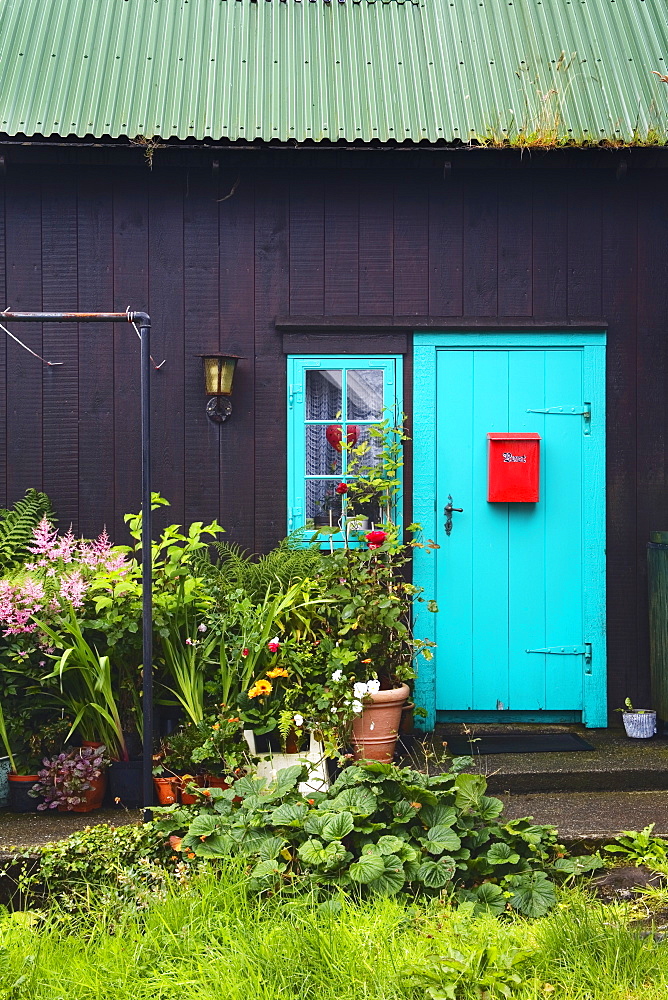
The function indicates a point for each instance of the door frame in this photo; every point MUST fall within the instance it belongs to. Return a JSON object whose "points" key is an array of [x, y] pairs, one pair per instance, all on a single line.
{"points": [[426, 345]]}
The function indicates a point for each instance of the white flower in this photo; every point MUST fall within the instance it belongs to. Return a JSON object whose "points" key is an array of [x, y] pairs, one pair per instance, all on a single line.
{"points": [[298, 719], [337, 675], [357, 707], [360, 689], [334, 711], [373, 687]]}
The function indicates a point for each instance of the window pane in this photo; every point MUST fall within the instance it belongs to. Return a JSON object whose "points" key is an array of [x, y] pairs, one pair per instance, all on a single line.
{"points": [[323, 449], [365, 394], [323, 395], [371, 456], [321, 497]]}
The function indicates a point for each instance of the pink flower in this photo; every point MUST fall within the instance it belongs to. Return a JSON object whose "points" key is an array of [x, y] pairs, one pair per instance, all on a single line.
{"points": [[73, 588], [201, 628], [245, 651], [375, 539], [274, 645], [189, 642]]}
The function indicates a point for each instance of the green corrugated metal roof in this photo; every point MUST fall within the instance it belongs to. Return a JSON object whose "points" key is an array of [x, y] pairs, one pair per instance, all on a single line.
{"points": [[403, 71]]}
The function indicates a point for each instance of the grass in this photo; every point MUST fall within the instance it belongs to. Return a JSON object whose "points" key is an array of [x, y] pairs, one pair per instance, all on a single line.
{"points": [[211, 939]]}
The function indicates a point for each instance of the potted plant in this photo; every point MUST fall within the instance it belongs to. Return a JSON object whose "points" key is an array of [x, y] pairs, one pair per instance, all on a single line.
{"points": [[72, 781], [372, 624], [639, 723]]}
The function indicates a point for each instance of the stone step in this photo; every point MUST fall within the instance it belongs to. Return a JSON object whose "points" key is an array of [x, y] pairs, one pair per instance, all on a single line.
{"points": [[617, 763], [590, 819]]}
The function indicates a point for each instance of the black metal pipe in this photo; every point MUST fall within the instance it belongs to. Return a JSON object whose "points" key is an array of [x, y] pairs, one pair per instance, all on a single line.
{"points": [[143, 320]]}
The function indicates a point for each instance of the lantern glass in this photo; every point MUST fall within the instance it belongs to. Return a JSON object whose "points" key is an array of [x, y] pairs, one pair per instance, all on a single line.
{"points": [[219, 374]]}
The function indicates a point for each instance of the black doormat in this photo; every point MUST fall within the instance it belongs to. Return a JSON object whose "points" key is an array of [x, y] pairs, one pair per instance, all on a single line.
{"points": [[473, 746]]}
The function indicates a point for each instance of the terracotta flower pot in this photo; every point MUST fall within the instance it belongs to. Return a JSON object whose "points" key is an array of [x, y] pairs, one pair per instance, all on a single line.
{"points": [[94, 797], [215, 782], [375, 731], [186, 798], [165, 790]]}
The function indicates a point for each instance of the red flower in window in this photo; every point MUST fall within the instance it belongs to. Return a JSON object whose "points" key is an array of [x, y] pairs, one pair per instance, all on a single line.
{"points": [[341, 489]]}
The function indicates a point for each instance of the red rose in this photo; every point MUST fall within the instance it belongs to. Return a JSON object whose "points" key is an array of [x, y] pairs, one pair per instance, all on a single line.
{"points": [[375, 539], [341, 489]]}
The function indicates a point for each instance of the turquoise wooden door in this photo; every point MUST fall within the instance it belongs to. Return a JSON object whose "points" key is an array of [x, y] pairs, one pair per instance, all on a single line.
{"points": [[520, 586]]}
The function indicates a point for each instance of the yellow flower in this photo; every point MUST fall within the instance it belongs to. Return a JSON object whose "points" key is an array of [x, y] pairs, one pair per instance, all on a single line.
{"points": [[277, 672], [260, 689]]}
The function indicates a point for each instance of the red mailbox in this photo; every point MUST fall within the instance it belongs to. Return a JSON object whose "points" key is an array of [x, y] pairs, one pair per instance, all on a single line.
{"points": [[514, 467]]}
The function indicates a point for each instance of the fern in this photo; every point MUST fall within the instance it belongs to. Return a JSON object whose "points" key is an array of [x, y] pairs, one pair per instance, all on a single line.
{"points": [[272, 573], [18, 524]]}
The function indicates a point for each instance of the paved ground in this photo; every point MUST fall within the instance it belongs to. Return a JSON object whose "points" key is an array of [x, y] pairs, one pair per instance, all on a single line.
{"points": [[589, 816], [25, 830]]}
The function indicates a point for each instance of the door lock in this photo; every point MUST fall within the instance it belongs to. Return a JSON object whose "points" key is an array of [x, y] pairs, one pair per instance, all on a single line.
{"points": [[448, 510]]}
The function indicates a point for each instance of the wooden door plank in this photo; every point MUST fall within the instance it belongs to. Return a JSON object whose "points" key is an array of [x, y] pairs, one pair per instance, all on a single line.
{"points": [[527, 568]]}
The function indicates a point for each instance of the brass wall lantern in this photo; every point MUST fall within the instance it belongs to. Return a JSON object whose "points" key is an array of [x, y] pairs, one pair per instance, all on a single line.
{"points": [[218, 379]]}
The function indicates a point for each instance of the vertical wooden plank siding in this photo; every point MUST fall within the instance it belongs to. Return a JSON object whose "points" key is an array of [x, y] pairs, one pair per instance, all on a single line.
{"points": [[24, 372], [446, 245], [3, 355], [237, 317], [202, 334], [411, 248], [556, 245], [130, 289], [341, 239], [376, 246], [166, 308], [272, 262], [95, 267], [550, 242], [514, 247], [619, 268], [480, 245], [60, 405], [307, 246], [652, 396]]}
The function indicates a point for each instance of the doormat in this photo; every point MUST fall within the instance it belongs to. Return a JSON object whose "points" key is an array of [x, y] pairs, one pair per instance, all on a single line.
{"points": [[474, 746]]}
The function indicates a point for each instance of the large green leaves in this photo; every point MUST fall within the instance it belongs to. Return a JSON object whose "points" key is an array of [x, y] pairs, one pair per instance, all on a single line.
{"points": [[337, 826], [440, 839], [436, 874], [358, 801], [368, 868], [501, 854], [532, 894], [318, 855], [289, 814]]}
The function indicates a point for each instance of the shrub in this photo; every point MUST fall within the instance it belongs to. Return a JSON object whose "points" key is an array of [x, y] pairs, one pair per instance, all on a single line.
{"points": [[378, 829]]}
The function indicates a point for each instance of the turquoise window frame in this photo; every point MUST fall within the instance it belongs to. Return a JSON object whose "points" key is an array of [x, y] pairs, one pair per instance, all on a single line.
{"points": [[298, 366]]}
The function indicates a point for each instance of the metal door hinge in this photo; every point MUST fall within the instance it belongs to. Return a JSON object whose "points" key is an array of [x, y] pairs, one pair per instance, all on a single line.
{"points": [[295, 395], [296, 518], [564, 650], [570, 411]]}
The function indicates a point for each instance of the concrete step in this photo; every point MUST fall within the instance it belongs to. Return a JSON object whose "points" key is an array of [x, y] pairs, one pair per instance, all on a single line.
{"points": [[590, 819], [617, 763]]}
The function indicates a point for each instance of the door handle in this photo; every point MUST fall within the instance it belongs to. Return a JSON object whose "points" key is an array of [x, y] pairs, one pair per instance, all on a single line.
{"points": [[448, 510]]}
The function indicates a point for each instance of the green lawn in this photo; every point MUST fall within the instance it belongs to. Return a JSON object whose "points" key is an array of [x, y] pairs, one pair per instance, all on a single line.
{"points": [[210, 939]]}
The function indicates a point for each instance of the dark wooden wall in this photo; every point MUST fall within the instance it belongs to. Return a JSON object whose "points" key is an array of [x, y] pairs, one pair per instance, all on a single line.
{"points": [[214, 272]]}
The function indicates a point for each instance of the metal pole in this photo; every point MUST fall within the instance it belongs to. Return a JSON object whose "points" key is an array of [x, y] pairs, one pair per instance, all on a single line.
{"points": [[146, 565], [143, 320]]}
